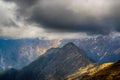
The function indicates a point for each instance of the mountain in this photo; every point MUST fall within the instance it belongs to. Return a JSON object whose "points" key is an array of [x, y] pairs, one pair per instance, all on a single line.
{"points": [[101, 49], [107, 71], [55, 64], [17, 53]]}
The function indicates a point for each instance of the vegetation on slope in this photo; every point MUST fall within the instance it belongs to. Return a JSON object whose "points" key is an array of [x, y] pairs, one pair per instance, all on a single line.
{"points": [[88, 71], [107, 71]]}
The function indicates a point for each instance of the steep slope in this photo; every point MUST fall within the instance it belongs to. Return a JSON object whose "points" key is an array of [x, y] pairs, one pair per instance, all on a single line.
{"points": [[56, 64], [107, 71]]}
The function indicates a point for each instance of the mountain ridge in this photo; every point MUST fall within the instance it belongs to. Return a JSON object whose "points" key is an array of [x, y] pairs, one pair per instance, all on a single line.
{"points": [[55, 65], [60, 62]]}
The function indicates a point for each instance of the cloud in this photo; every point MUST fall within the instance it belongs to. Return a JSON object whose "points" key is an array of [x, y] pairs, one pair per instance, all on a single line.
{"points": [[13, 25], [91, 16], [7, 14], [63, 17], [36, 32], [24, 2]]}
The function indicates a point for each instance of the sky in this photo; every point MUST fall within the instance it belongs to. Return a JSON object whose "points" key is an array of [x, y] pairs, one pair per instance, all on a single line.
{"points": [[53, 19]]}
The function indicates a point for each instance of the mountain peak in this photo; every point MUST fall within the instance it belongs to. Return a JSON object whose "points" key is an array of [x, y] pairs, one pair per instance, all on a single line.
{"points": [[69, 45]]}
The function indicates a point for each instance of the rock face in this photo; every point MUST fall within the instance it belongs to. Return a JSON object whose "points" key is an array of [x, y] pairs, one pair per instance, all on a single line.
{"points": [[56, 64]]}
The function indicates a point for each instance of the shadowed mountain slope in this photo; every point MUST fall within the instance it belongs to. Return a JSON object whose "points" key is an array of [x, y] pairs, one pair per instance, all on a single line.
{"points": [[56, 64]]}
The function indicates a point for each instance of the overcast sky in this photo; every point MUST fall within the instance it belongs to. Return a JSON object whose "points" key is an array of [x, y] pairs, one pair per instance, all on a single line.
{"points": [[55, 19]]}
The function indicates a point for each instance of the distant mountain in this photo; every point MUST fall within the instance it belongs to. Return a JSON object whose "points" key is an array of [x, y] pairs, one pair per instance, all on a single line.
{"points": [[17, 53], [102, 49], [56, 64], [107, 71]]}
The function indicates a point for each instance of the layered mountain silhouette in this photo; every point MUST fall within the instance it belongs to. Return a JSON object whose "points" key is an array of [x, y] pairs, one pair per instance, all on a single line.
{"points": [[55, 64]]}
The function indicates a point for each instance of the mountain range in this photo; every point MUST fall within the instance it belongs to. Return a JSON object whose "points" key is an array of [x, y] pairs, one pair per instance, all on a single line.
{"points": [[55, 64], [17, 53], [64, 63]]}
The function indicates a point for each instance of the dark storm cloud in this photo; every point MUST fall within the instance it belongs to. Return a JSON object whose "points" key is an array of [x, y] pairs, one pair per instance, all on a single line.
{"points": [[24, 2], [65, 16], [67, 21], [115, 15]]}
